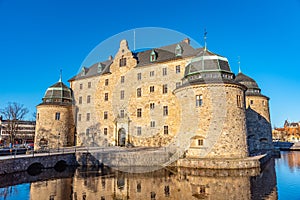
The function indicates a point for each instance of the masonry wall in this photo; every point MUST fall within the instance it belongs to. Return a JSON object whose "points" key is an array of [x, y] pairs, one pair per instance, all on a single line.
{"points": [[219, 122], [56, 133]]}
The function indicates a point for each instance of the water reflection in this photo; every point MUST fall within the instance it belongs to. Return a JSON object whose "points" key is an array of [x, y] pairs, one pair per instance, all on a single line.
{"points": [[171, 183]]}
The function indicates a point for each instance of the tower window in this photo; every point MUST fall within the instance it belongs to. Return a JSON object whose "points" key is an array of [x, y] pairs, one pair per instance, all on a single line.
{"points": [[57, 116], [80, 100], [166, 130], [80, 86], [106, 97], [177, 69], [105, 131], [89, 84], [122, 62], [151, 88], [88, 116], [88, 99], [199, 100], [139, 76], [264, 103], [165, 88], [138, 187], [139, 92], [122, 79], [152, 105], [105, 115], [167, 191], [200, 142], [38, 116], [122, 94], [139, 112], [165, 110], [164, 71], [239, 101], [251, 102], [106, 82]]}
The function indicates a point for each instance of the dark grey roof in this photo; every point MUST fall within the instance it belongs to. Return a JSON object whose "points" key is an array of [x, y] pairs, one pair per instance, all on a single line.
{"points": [[207, 61], [57, 94], [250, 83], [95, 69], [165, 53]]}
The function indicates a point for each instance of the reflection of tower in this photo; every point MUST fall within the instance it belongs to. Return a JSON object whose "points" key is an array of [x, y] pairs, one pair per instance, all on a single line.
{"points": [[54, 122], [258, 116]]}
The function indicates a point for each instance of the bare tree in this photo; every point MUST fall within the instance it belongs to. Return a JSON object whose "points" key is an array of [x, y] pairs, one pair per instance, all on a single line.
{"points": [[13, 113]]}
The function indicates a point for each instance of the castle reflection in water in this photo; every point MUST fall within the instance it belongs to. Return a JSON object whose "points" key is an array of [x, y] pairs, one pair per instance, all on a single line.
{"points": [[176, 183]]}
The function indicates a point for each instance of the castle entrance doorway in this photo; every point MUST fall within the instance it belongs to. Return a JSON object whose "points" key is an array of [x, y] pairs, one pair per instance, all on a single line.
{"points": [[121, 137]]}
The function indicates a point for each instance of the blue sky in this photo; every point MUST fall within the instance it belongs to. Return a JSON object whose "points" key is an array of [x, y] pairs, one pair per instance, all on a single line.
{"points": [[38, 38]]}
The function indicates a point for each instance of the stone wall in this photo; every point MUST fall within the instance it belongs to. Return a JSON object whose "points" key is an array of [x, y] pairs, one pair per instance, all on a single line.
{"points": [[55, 133]]}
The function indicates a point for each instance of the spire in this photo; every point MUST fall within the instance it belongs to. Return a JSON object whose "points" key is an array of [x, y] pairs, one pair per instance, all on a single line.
{"points": [[60, 76], [205, 45], [239, 63], [134, 40]]}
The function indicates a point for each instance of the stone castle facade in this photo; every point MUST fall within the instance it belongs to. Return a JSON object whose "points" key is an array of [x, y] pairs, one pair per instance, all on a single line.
{"points": [[175, 96]]}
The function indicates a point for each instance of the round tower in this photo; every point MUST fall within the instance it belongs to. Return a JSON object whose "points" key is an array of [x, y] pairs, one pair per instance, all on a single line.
{"points": [[259, 131], [55, 125], [213, 109], [254, 99]]}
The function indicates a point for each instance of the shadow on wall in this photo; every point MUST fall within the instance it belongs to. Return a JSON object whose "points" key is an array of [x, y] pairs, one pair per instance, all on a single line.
{"points": [[93, 137], [259, 133]]}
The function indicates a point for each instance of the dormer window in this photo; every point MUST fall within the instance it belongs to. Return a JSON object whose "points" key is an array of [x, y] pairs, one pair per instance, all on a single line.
{"points": [[153, 56], [83, 71], [178, 50], [99, 69]]}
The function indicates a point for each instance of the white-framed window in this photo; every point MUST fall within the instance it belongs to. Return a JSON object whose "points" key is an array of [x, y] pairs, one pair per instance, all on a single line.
{"points": [[199, 100], [139, 112], [152, 88], [177, 68], [139, 130], [152, 106], [57, 116], [152, 124], [166, 130]]}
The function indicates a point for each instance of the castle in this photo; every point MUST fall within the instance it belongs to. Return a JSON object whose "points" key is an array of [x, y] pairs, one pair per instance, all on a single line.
{"points": [[176, 95]]}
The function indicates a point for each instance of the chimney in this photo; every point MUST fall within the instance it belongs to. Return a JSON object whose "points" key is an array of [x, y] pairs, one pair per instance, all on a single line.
{"points": [[187, 40], [110, 57]]}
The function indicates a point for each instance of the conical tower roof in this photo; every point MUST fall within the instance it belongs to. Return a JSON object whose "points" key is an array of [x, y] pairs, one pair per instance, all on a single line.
{"points": [[58, 93]]}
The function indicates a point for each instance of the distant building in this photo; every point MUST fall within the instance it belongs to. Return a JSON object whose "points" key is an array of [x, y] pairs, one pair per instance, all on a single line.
{"points": [[175, 95], [289, 133], [25, 131]]}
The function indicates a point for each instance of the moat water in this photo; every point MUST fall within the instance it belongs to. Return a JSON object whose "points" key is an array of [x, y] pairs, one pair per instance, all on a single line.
{"points": [[279, 179]]}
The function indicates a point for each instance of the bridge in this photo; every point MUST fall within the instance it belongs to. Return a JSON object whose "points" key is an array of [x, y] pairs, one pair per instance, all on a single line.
{"points": [[73, 156]]}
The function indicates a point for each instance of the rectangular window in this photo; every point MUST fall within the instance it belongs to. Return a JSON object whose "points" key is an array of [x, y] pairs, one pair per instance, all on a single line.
{"points": [[200, 142], [122, 94], [79, 117], [57, 116], [139, 112], [80, 100], [122, 113], [178, 84], [122, 79], [122, 62], [106, 97], [89, 84], [199, 100], [106, 82], [166, 130], [139, 92], [88, 116], [152, 124], [105, 131], [87, 131], [239, 101], [80, 86], [177, 69], [151, 73], [139, 76], [165, 88], [164, 71], [152, 105], [88, 99], [139, 130], [264, 103], [251, 102], [105, 115], [165, 110], [151, 88]]}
